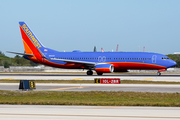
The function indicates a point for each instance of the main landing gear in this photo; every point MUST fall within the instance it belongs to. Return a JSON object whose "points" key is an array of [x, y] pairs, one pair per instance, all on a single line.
{"points": [[99, 73], [158, 73], [89, 72]]}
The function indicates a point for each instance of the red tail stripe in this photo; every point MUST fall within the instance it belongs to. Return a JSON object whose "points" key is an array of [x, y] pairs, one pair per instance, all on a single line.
{"points": [[31, 45]]}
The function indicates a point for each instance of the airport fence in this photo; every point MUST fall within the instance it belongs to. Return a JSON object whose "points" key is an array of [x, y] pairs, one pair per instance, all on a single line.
{"points": [[1, 68]]}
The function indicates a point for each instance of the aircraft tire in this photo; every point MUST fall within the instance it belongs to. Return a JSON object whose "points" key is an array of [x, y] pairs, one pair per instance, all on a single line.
{"points": [[89, 72], [100, 73], [158, 73]]}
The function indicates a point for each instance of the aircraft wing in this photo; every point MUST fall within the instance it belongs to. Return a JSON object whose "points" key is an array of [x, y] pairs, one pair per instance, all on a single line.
{"points": [[31, 55], [90, 64]]}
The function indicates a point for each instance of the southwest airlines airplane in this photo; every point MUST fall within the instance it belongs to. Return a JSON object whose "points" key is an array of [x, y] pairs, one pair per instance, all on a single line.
{"points": [[101, 62]]}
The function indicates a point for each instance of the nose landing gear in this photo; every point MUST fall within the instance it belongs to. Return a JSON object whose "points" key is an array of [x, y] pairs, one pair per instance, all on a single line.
{"points": [[158, 73]]}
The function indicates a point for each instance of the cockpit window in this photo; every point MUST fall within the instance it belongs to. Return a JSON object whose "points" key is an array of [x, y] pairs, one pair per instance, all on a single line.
{"points": [[164, 58]]}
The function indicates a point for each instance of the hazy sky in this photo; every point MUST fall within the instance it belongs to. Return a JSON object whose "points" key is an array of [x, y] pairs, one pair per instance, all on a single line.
{"points": [[82, 24]]}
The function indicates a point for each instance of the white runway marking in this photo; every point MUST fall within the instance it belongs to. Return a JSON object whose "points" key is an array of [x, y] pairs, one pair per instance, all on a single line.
{"points": [[43, 112]]}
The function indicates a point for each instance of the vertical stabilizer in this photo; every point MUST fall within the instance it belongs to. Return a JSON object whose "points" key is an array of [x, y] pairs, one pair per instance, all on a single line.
{"points": [[31, 44]]}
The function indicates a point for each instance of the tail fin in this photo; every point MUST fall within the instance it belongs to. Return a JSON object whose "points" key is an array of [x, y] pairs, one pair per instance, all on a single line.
{"points": [[31, 44], [29, 39]]}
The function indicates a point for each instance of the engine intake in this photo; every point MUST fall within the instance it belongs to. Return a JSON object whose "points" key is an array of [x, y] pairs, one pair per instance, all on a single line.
{"points": [[104, 68]]}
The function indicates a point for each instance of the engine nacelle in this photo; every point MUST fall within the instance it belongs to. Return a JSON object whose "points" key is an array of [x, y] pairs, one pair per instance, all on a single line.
{"points": [[104, 68]]}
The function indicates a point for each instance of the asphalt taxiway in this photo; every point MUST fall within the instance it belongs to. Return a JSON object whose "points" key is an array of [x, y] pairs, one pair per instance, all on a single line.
{"points": [[93, 87], [46, 112], [52, 76], [97, 87], [41, 112]]}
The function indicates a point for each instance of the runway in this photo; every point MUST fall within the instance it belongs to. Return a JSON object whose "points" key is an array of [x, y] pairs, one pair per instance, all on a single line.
{"points": [[46, 112], [43, 112], [97, 87], [92, 87], [51, 76]]}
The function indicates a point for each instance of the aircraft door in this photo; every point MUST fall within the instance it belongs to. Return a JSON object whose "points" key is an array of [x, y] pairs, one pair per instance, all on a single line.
{"points": [[154, 58]]}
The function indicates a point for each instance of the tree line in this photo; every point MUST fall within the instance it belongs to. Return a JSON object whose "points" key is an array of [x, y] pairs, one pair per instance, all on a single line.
{"points": [[175, 57], [16, 61]]}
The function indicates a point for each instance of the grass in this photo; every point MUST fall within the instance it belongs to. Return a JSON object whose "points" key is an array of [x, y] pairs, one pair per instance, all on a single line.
{"points": [[92, 81], [92, 98], [97, 98]]}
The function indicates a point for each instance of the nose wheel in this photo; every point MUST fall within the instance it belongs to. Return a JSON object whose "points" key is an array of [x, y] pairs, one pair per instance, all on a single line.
{"points": [[158, 73], [89, 72]]}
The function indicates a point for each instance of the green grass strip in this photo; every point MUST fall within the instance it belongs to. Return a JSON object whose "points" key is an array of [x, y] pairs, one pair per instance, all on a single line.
{"points": [[92, 98]]}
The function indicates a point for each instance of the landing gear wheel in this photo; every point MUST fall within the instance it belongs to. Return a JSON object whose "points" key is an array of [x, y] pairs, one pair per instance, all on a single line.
{"points": [[158, 73], [99, 73], [89, 72]]}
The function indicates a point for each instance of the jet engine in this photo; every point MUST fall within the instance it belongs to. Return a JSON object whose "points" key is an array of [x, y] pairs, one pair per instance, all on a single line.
{"points": [[104, 68]]}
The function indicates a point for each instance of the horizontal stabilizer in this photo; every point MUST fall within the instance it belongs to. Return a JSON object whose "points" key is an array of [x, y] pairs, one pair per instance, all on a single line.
{"points": [[31, 55]]}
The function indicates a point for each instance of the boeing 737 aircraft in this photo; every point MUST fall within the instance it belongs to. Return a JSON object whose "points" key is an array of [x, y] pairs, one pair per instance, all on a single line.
{"points": [[101, 62]]}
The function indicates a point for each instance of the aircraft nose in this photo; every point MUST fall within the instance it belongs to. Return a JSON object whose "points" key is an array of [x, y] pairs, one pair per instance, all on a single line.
{"points": [[172, 63]]}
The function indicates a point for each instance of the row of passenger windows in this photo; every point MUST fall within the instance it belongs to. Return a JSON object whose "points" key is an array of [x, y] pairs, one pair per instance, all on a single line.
{"points": [[81, 58], [107, 58], [132, 58]]}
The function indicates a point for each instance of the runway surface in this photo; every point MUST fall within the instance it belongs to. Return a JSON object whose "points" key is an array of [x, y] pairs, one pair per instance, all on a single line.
{"points": [[46, 112], [97, 87], [93, 87], [50, 76], [41, 112]]}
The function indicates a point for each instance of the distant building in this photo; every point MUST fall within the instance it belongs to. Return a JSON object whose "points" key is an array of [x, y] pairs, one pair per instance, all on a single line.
{"points": [[95, 49], [176, 52]]}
